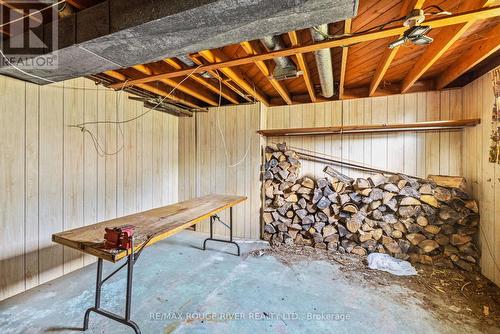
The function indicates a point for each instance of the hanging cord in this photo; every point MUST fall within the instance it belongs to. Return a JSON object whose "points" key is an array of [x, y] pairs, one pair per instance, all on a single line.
{"points": [[34, 75], [222, 135], [440, 11], [45, 79], [31, 14], [95, 139], [379, 27]]}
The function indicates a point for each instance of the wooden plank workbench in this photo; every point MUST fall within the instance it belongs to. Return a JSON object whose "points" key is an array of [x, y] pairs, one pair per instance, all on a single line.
{"points": [[150, 226], [161, 222]]}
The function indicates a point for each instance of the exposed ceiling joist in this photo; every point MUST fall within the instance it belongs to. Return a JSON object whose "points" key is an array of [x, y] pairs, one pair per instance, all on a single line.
{"points": [[81, 4], [360, 92], [480, 14], [294, 39], [250, 50], [343, 61], [389, 54], [228, 95], [185, 87], [216, 56], [443, 41], [216, 75], [477, 53], [155, 90]]}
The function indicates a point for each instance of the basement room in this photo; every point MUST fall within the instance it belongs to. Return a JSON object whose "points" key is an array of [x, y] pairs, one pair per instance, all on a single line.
{"points": [[250, 166]]}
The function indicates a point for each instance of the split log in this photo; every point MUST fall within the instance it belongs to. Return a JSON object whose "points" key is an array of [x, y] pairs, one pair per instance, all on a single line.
{"points": [[449, 181], [429, 221]]}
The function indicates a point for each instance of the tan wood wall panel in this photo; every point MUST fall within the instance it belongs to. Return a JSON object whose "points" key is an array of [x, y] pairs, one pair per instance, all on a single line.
{"points": [[53, 179], [31, 177], [50, 191], [202, 157], [73, 106], [12, 185], [483, 177], [202, 154], [204, 168], [414, 153]]}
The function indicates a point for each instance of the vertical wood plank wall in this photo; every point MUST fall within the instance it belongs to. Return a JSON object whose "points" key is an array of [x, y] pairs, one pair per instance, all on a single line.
{"points": [[205, 169], [202, 164], [483, 177], [51, 177], [413, 153]]}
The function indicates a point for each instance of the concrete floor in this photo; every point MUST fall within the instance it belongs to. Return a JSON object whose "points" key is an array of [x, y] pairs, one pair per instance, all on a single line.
{"points": [[175, 282]]}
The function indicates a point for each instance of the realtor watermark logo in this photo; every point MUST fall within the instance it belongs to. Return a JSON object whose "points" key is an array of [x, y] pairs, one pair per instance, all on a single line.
{"points": [[30, 33]]}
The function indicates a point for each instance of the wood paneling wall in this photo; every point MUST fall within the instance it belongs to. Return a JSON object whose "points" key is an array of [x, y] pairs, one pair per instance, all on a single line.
{"points": [[483, 177], [412, 153], [203, 166], [52, 179], [205, 169]]}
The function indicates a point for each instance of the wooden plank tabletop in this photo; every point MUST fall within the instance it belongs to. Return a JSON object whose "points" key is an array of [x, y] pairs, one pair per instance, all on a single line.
{"points": [[161, 222]]}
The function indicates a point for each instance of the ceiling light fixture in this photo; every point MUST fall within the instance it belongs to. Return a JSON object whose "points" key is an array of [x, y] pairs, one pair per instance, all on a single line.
{"points": [[416, 34]]}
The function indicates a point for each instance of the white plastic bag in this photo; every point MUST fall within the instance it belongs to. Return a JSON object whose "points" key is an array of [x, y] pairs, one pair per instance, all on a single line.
{"points": [[390, 264]]}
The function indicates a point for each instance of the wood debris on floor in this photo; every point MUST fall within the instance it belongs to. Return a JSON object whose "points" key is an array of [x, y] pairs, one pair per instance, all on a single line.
{"points": [[452, 295]]}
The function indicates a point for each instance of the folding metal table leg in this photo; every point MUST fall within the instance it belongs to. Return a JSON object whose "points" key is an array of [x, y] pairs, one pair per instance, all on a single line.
{"points": [[128, 299], [230, 227]]}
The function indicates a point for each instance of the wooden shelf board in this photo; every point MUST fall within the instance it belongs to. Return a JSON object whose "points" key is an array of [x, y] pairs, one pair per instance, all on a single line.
{"points": [[350, 129]]}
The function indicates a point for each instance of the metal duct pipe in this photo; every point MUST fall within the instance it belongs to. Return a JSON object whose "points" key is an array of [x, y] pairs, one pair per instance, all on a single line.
{"points": [[285, 68], [324, 61]]}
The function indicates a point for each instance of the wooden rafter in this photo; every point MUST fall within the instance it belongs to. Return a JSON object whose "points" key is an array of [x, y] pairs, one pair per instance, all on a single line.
{"points": [[294, 39], [484, 13], [185, 87], [250, 50], [217, 76], [477, 53], [228, 95], [150, 88], [343, 62], [389, 54], [443, 41], [216, 56], [361, 92], [81, 4]]}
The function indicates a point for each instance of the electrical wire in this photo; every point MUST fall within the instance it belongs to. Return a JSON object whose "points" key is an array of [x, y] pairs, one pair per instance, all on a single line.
{"points": [[95, 139], [34, 75], [55, 84], [24, 72], [224, 144], [380, 26], [100, 150], [440, 11], [31, 14]]}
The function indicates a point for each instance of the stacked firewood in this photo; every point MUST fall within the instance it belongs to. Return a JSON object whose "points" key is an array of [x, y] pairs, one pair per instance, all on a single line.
{"points": [[430, 221]]}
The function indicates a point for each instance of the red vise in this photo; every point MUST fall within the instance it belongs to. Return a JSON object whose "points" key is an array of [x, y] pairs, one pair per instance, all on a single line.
{"points": [[119, 237]]}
